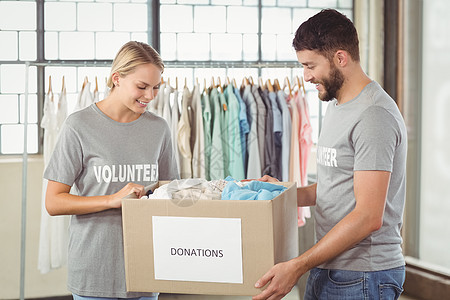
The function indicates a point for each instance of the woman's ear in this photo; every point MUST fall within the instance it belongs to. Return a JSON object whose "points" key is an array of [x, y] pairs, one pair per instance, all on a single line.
{"points": [[115, 78]]}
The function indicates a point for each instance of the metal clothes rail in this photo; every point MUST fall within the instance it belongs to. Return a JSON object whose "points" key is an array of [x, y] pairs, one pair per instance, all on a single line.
{"points": [[168, 64], [231, 64]]}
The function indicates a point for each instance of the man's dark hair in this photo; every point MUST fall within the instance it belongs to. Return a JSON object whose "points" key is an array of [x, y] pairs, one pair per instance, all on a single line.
{"points": [[327, 32]]}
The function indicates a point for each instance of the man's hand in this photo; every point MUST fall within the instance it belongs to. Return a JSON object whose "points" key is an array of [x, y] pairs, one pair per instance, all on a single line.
{"points": [[265, 178], [281, 278]]}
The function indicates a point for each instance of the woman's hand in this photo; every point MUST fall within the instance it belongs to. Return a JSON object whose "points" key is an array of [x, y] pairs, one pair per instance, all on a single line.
{"points": [[59, 201], [130, 189]]}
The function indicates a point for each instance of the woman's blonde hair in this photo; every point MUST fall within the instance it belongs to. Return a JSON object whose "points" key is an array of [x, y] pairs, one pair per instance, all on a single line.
{"points": [[132, 55]]}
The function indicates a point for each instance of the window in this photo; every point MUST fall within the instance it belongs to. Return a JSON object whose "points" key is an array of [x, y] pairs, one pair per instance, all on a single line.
{"points": [[18, 40], [236, 35], [76, 35], [200, 39], [435, 144], [86, 31]]}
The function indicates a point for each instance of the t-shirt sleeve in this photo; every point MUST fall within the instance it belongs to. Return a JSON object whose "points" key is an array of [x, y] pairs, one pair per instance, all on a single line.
{"points": [[375, 138], [167, 164], [65, 163]]}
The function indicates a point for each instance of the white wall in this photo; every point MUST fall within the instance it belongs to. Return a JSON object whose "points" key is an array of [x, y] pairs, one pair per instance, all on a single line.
{"points": [[36, 284], [435, 175]]}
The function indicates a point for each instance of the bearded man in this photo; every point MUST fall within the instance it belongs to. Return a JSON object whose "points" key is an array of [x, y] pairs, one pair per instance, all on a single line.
{"points": [[361, 165]]}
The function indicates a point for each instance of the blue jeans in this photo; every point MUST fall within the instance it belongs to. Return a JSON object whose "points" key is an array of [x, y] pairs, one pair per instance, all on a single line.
{"points": [[76, 297], [349, 285]]}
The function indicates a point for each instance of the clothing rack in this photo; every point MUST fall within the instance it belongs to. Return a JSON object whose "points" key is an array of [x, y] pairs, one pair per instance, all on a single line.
{"points": [[107, 63]]}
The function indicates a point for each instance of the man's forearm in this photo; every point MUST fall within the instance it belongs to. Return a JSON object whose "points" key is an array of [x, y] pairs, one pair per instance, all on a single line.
{"points": [[306, 196]]}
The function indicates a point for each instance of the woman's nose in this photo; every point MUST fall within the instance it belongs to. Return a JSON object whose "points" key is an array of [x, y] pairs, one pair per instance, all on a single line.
{"points": [[150, 94]]}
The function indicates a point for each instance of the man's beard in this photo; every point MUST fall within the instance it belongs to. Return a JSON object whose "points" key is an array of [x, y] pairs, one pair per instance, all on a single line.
{"points": [[332, 84]]}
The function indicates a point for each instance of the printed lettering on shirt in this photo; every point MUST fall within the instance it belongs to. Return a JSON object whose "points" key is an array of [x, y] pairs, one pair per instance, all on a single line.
{"points": [[326, 156], [126, 173]]}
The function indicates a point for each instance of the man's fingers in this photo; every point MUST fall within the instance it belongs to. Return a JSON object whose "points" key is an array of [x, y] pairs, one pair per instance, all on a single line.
{"points": [[264, 295], [267, 178], [264, 280]]}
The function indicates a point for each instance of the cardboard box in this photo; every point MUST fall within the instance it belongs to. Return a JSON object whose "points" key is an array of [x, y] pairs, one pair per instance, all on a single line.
{"points": [[217, 247]]}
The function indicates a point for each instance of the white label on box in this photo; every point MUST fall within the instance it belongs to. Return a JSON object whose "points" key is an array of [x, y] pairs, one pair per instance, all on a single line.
{"points": [[197, 249]]}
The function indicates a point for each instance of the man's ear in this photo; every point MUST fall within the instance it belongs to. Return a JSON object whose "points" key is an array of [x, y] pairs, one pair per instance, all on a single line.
{"points": [[341, 58]]}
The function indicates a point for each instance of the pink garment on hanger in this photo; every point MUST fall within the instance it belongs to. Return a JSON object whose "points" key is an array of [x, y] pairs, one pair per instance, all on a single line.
{"points": [[305, 139], [294, 160], [300, 147], [304, 136]]}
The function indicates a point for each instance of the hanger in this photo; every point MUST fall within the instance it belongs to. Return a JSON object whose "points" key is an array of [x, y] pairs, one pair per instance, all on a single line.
{"points": [[276, 84], [162, 80], [269, 85], [185, 82], [96, 85], [204, 84], [63, 88], [251, 80], [213, 85], [219, 85], [303, 85], [245, 82], [49, 85], [84, 82], [288, 84], [234, 83], [176, 83], [261, 84]]}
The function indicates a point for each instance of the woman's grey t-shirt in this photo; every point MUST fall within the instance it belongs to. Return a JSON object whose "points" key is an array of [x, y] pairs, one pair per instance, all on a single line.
{"points": [[100, 156], [366, 133]]}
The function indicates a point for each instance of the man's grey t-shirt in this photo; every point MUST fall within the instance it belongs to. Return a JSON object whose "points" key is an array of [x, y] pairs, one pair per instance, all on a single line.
{"points": [[100, 156], [366, 133]]}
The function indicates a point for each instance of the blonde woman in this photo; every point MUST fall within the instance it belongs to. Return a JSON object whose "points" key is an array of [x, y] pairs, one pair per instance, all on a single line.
{"points": [[109, 150]]}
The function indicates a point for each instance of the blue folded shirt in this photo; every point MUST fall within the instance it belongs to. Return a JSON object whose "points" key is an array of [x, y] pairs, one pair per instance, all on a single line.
{"points": [[254, 190]]}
